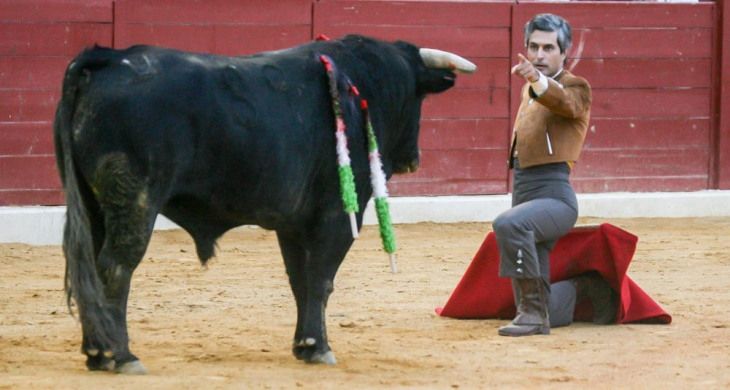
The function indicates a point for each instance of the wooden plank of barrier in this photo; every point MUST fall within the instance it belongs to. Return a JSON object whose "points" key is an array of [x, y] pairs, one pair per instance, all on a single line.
{"points": [[454, 172], [651, 103], [53, 196], [681, 169], [469, 42], [464, 164], [54, 39], [646, 134], [218, 39], [623, 14], [29, 172], [477, 133], [24, 11], [639, 184], [28, 105], [446, 187], [214, 12], [607, 43], [26, 138], [219, 26], [676, 162], [400, 13], [467, 103], [632, 73], [32, 72]]}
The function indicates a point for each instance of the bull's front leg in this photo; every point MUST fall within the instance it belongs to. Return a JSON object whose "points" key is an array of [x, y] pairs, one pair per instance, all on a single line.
{"points": [[311, 265], [295, 259]]}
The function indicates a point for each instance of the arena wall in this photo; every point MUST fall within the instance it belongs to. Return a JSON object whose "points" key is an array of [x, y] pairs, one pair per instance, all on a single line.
{"points": [[37, 40], [660, 73]]}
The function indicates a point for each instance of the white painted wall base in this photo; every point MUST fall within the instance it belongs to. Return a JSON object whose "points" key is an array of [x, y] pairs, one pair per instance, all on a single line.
{"points": [[44, 225]]}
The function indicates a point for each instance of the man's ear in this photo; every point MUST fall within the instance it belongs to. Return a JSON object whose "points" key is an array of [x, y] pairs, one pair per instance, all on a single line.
{"points": [[435, 80]]}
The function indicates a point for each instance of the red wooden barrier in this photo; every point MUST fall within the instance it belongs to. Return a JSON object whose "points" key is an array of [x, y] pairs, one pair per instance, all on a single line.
{"points": [[229, 27], [660, 72], [37, 40], [650, 67], [464, 132]]}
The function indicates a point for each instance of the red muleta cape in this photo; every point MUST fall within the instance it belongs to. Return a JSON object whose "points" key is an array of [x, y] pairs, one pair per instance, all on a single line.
{"points": [[607, 249]]}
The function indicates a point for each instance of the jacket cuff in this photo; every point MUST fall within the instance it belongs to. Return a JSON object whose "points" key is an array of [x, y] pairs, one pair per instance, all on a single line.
{"points": [[537, 88], [552, 96]]}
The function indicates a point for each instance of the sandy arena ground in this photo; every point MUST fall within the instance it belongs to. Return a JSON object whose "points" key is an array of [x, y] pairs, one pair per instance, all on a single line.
{"points": [[231, 326]]}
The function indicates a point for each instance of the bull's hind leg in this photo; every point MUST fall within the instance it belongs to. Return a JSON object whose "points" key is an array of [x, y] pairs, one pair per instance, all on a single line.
{"points": [[311, 264], [128, 222]]}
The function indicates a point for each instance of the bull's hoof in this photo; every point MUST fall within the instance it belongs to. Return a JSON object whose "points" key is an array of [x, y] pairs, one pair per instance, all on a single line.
{"points": [[98, 360], [306, 349], [323, 358], [99, 363], [134, 367]]}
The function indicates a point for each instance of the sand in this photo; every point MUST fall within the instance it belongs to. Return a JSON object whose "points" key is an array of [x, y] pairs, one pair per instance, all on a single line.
{"points": [[231, 326]]}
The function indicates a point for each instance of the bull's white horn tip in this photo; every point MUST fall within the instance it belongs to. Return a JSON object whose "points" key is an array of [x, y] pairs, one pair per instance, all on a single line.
{"points": [[468, 67], [442, 59]]}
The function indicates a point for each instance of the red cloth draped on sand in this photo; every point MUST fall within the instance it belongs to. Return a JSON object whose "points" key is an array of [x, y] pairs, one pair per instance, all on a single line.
{"points": [[481, 293]]}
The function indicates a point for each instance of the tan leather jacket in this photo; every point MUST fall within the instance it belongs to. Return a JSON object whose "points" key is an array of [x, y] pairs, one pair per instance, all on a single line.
{"points": [[552, 127]]}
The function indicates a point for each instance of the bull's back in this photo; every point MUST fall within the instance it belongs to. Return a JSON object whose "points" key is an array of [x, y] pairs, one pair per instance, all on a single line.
{"points": [[265, 134], [243, 136]]}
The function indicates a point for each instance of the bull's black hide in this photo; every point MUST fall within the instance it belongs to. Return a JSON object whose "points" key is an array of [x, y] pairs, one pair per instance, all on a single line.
{"points": [[217, 142]]}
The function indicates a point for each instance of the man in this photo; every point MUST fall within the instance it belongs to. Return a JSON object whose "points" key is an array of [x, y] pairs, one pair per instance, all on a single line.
{"points": [[546, 142]]}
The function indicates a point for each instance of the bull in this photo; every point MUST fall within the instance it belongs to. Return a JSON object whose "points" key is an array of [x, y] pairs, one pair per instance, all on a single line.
{"points": [[215, 142]]}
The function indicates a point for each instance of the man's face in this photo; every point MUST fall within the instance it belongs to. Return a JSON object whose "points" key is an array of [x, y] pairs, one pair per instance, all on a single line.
{"points": [[544, 53]]}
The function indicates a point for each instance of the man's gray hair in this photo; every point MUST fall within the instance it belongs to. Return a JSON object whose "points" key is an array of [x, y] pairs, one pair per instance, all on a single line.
{"points": [[550, 23]]}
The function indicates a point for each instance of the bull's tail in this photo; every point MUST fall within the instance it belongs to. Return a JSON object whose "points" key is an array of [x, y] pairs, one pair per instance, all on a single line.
{"points": [[81, 280]]}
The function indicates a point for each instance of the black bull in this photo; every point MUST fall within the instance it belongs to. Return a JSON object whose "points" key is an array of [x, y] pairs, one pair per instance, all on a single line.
{"points": [[217, 142]]}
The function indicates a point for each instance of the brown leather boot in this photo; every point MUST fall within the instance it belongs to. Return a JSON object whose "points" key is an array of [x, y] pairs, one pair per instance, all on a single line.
{"points": [[532, 309], [604, 300]]}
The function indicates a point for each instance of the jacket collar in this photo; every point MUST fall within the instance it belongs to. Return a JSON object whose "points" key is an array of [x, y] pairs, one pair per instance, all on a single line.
{"points": [[559, 75]]}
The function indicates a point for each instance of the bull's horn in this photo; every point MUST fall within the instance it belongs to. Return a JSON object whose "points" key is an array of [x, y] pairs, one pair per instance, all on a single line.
{"points": [[444, 60]]}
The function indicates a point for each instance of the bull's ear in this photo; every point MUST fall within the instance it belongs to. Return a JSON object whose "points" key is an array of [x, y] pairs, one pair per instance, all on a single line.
{"points": [[435, 80]]}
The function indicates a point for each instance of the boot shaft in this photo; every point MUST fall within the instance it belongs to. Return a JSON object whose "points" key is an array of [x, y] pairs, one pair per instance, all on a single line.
{"points": [[531, 300]]}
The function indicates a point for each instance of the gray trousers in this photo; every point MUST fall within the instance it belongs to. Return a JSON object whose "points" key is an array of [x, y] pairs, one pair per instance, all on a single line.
{"points": [[544, 209]]}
